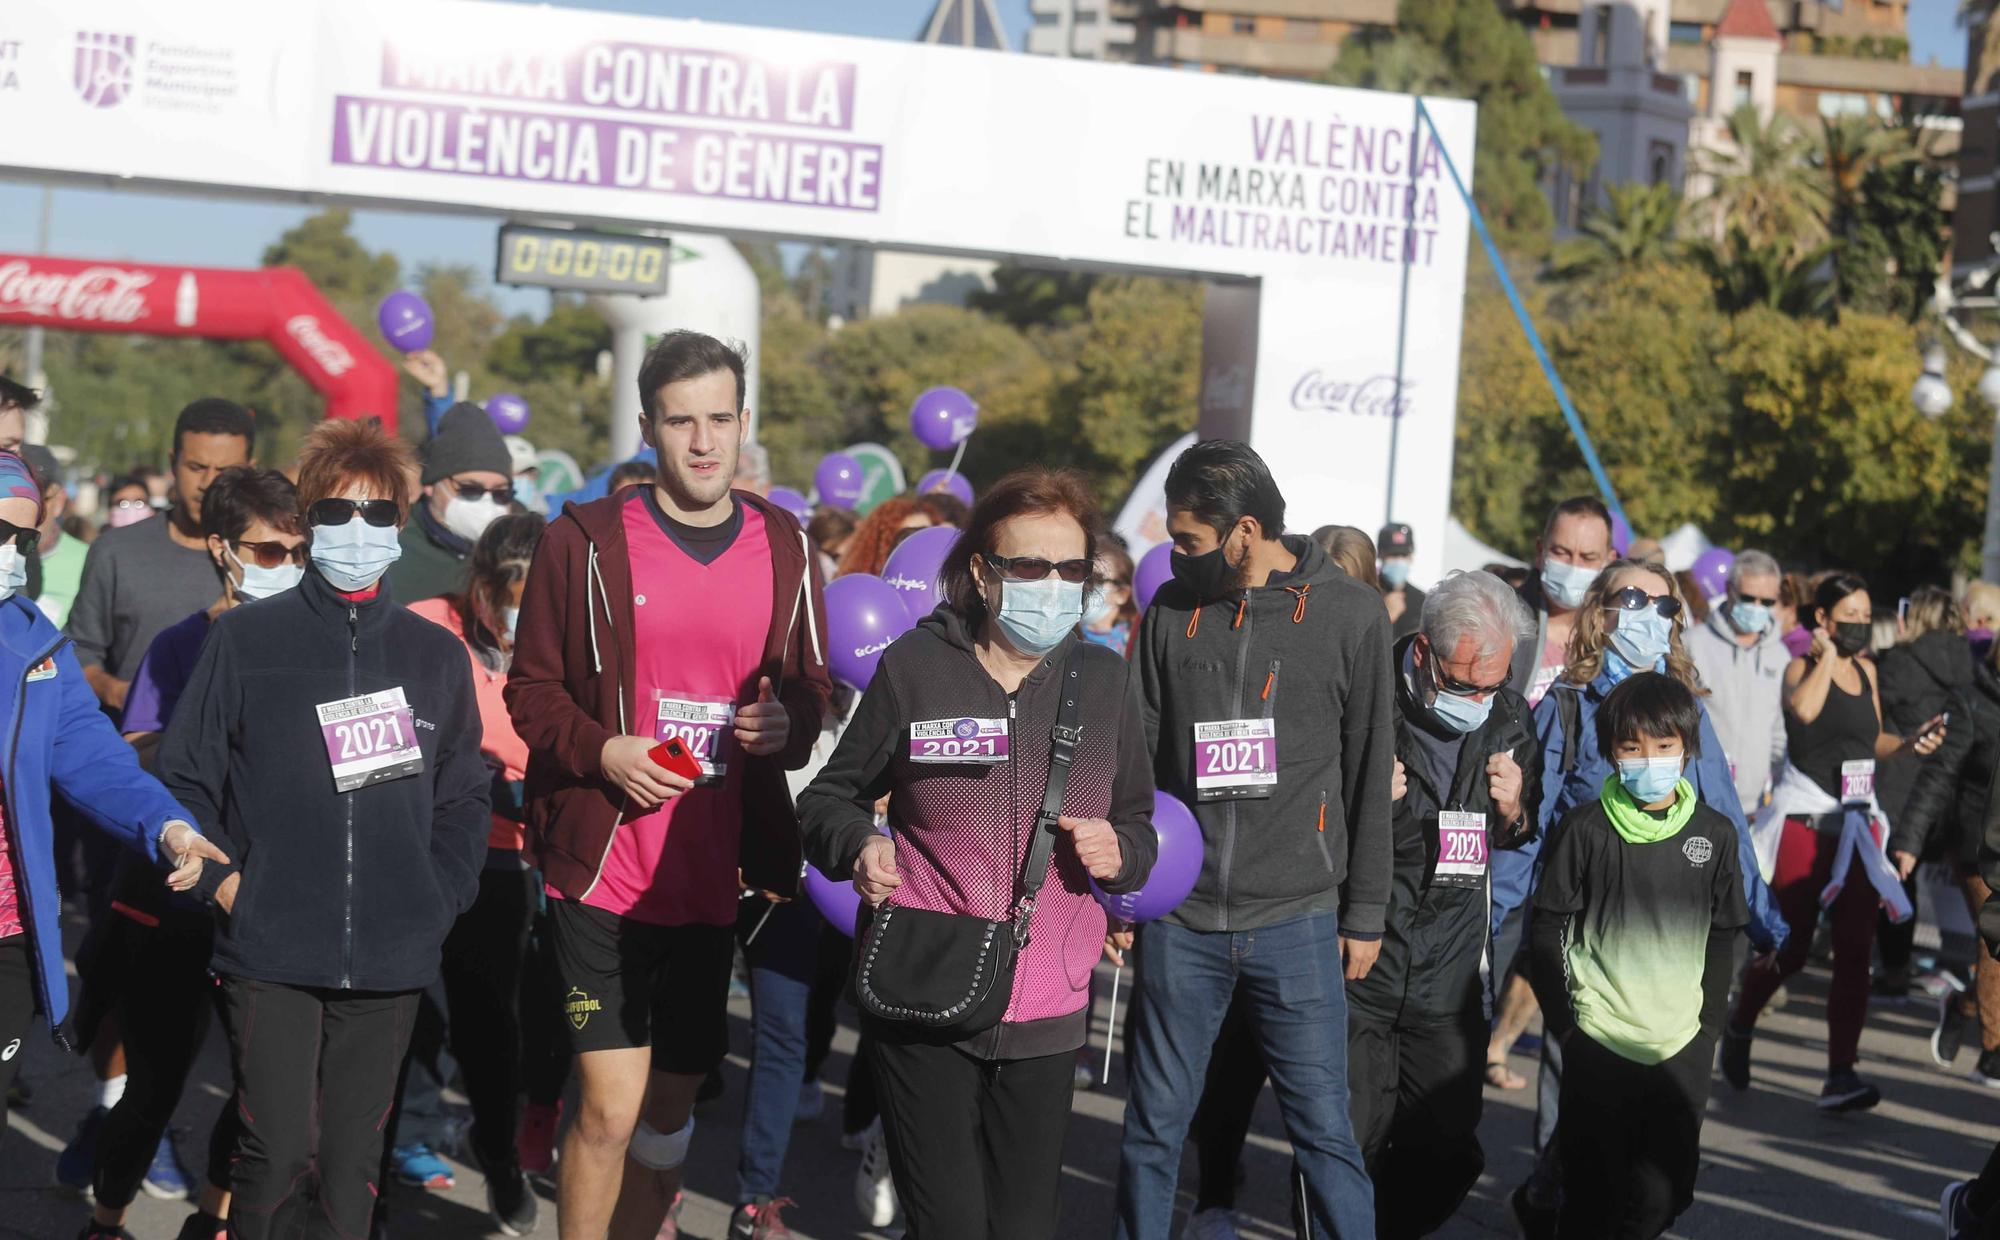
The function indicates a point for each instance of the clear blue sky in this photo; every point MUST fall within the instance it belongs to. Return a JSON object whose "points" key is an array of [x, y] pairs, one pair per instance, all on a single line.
{"points": [[158, 228], [226, 233]]}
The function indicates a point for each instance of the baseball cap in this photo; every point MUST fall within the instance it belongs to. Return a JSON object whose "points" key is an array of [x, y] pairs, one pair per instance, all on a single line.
{"points": [[1395, 539]]}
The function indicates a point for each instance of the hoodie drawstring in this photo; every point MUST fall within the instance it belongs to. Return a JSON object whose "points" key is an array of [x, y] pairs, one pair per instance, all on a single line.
{"points": [[595, 580], [1299, 592], [1243, 606]]}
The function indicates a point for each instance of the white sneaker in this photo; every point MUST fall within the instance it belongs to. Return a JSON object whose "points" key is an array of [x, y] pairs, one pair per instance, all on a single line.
{"points": [[1214, 1224], [812, 1103], [874, 1190]]}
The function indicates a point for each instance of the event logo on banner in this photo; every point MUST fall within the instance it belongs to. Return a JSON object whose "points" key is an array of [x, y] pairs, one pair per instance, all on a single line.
{"points": [[92, 295], [104, 65]]}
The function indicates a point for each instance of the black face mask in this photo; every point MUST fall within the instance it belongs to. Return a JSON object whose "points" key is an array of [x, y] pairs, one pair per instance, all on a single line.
{"points": [[1850, 638], [1210, 575]]}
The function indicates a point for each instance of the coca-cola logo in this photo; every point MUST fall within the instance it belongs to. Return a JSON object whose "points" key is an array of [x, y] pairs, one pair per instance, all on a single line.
{"points": [[1379, 396], [92, 295], [331, 355]]}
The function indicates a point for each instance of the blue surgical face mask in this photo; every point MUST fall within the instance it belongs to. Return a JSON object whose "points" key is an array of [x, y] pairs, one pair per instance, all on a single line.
{"points": [[1394, 572], [510, 619], [1749, 617], [258, 582], [1037, 615], [1566, 584], [1462, 715], [354, 556], [1649, 780], [1098, 609], [1643, 638], [13, 571]]}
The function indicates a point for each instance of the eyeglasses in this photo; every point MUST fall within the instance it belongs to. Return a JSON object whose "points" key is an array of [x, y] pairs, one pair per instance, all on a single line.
{"points": [[129, 504], [25, 540], [1761, 602], [1034, 568], [1632, 598], [474, 492], [273, 554], [376, 512]]}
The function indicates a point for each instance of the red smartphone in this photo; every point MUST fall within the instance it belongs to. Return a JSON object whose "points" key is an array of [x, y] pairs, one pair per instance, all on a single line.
{"points": [[673, 754]]}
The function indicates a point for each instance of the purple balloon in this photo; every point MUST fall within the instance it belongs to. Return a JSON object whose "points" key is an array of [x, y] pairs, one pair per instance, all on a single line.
{"points": [[863, 615], [950, 482], [405, 320], [1711, 571], [912, 569], [1174, 871], [943, 417], [508, 411], [839, 903], [839, 480], [1155, 567], [793, 502], [1621, 534]]}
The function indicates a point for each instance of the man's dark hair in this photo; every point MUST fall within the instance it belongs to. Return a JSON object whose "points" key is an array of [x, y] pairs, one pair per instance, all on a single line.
{"points": [[245, 494], [18, 395], [215, 415], [1579, 506], [641, 472], [1649, 704], [1221, 481], [686, 355]]}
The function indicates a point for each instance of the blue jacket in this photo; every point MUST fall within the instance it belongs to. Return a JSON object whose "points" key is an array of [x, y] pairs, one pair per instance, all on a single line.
{"points": [[1516, 872], [56, 737]]}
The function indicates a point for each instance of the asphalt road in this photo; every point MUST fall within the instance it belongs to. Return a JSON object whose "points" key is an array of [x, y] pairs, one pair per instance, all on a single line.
{"points": [[1772, 1166]]}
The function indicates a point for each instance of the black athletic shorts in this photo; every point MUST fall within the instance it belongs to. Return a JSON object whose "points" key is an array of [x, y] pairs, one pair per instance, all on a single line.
{"points": [[629, 983]]}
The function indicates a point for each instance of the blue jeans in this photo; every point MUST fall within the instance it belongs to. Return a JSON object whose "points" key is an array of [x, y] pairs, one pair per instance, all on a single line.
{"points": [[783, 958], [1290, 979]]}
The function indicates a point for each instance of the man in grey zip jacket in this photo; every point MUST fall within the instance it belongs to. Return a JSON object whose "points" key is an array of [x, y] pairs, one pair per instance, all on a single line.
{"points": [[1742, 658], [1267, 695]]}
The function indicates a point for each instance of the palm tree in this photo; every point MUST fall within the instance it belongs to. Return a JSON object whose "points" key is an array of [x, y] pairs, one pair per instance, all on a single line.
{"points": [[1639, 225], [1852, 147], [1766, 185], [1746, 274]]}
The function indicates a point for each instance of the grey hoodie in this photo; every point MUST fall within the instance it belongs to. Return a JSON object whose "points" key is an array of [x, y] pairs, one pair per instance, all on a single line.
{"points": [[1746, 686], [1318, 640]]}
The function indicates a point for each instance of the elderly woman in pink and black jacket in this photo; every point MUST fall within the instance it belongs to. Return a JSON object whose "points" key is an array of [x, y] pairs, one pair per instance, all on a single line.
{"points": [[986, 672]]}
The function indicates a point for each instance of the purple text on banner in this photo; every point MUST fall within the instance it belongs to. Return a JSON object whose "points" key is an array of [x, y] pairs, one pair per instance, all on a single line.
{"points": [[605, 154], [637, 78]]}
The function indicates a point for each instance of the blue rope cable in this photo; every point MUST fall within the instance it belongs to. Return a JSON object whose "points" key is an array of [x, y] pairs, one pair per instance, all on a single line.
{"points": [[1528, 326]]}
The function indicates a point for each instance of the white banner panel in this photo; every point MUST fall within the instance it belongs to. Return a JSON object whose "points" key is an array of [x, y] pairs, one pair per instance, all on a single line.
{"points": [[1326, 194]]}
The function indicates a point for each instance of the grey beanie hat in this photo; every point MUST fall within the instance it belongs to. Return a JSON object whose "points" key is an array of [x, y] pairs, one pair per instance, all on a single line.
{"points": [[466, 442]]}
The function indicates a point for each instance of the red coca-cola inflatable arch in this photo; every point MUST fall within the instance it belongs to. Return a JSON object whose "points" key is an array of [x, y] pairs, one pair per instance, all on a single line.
{"points": [[274, 304]]}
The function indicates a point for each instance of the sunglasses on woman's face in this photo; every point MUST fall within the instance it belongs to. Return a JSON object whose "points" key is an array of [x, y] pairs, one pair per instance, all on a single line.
{"points": [[270, 554], [24, 540], [380, 513], [1632, 598], [1034, 568]]}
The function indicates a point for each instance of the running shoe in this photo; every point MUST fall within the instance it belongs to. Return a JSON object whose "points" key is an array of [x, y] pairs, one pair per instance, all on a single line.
{"points": [[1085, 1076], [77, 1164], [417, 1166], [1211, 1224], [1892, 984], [1949, 1034], [94, 1230], [166, 1178], [535, 1137], [511, 1202], [1987, 1071], [812, 1103], [874, 1190], [1534, 1222], [1735, 1057], [199, 1226], [1845, 1091], [1955, 1209], [761, 1220]]}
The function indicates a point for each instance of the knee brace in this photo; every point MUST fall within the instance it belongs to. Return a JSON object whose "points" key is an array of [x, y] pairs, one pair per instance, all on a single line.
{"points": [[661, 1151]]}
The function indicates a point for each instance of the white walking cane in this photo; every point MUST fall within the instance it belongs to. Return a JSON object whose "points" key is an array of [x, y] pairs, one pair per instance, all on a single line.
{"points": [[1112, 1024]]}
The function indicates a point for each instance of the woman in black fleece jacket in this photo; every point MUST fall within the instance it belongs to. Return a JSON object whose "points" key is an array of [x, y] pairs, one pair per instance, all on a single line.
{"points": [[331, 739]]}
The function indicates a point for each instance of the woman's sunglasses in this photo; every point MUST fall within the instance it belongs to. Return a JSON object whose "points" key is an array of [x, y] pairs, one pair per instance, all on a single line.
{"points": [[380, 513], [1632, 598], [24, 540], [1034, 568], [271, 554]]}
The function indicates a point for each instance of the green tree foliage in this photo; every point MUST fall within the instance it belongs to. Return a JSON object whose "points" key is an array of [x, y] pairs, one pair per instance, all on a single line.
{"points": [[1766, 184], [1886, 214], [1638, 226], [1471, 49], [1774, 275], [1026, 297]]}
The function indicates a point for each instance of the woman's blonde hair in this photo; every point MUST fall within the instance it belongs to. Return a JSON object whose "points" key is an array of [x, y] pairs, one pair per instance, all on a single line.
{"points": [[1931, 610], [1589, 639]]}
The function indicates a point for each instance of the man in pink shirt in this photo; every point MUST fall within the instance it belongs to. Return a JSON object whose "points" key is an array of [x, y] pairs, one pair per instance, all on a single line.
{"points": [[677, 610]]}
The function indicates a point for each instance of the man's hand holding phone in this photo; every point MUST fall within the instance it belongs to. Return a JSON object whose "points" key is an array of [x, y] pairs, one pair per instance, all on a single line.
{"points": [[628, 763]]}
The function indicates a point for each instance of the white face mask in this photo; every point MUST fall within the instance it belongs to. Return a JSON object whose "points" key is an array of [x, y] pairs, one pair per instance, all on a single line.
{"points": [[13, 571], [468, 518], [258, 582], [509, 618]]}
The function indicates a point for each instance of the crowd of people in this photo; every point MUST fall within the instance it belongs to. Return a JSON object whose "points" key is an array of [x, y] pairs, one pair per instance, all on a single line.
{"points": [[409, 784]]}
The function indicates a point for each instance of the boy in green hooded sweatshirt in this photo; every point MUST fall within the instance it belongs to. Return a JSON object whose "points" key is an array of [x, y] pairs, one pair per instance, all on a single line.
{"points": [[1632, 936]]}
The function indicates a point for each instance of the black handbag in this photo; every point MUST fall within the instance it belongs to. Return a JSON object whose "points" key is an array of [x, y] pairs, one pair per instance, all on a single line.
{"points": [[949, 974]]}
